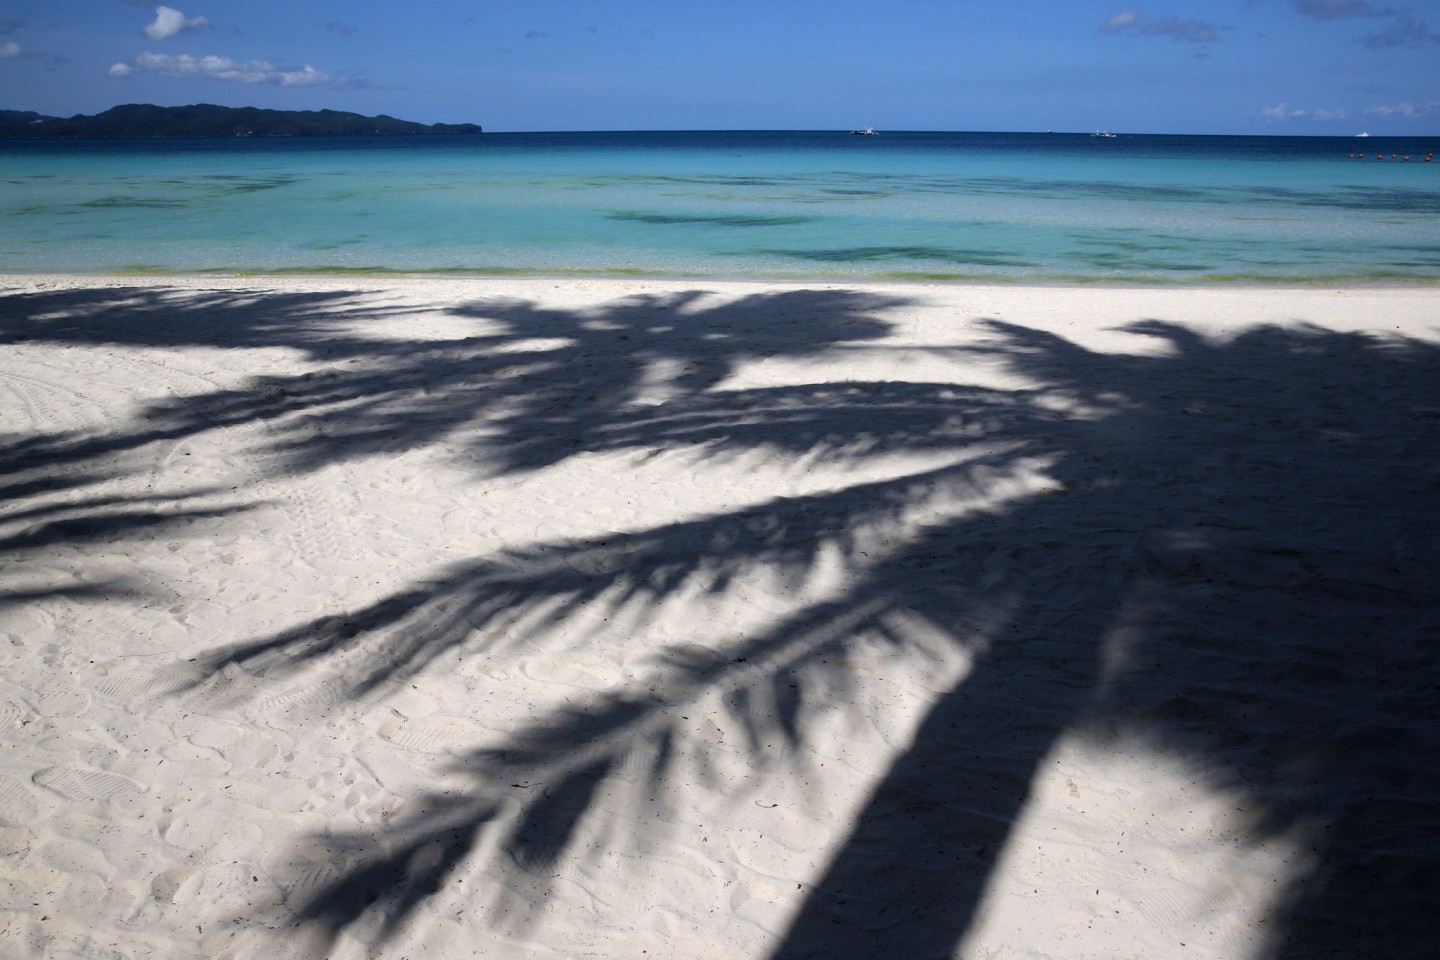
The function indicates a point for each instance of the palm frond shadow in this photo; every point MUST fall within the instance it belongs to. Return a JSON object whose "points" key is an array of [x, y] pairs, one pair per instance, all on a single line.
{"points": [[45, 513], [1216, 549], [526, 800], [491, 398], [57, 486], [493, 604]]}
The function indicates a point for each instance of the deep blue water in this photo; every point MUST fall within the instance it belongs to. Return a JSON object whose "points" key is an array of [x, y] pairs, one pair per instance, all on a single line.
{"points": [[772, 205]]}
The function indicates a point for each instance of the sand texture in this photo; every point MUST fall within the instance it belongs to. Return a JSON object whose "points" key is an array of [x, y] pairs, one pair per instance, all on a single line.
{"points": [[560, 618]]}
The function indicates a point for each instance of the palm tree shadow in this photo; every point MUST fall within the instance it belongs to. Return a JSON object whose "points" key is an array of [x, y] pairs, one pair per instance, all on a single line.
{"points": [[61, 488], [1250, 595], [1227, 554], [491, 398]]}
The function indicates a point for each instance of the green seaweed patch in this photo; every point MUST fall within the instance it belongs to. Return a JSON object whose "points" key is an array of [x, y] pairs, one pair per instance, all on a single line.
{"points": [[1426, 202], [335, 244], [725, 180], [337, 270], [933, 275], [138, 270], [879, 254], [256, 186], [717, 219], [1067, 189], [138, 203], [1118, 261]]}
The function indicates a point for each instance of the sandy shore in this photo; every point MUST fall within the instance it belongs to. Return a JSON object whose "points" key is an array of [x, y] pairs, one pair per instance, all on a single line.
{"points": [[541, 618]]}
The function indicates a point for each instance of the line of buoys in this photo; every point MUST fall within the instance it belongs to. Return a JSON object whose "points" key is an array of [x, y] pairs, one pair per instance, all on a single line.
{"points": [[1429, 157]]}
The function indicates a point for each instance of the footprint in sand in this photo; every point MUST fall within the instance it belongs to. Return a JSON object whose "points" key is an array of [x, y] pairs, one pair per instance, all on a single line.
{"points": [[240, 746], [18, 807], [308, 700], [433, 734], [85, 785], [145, 686]]}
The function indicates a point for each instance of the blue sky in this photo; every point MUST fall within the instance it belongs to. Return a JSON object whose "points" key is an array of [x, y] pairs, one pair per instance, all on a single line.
{"points": [[1221, 66]]}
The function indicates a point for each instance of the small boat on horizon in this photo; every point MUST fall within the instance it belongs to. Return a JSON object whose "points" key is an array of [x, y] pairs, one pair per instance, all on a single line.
{"points": [[1102, 133], [864, 132], [1363, 133]]}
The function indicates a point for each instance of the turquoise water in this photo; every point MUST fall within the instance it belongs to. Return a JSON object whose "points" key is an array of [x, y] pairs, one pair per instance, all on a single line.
{"points": [[795, 206]]}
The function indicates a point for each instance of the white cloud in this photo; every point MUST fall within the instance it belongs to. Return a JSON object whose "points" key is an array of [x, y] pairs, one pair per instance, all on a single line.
{"points": [[223, 68], [1137, 22], [1283, 111], [1120, 21], [1404, 109], [169, 21], [9, 49]]}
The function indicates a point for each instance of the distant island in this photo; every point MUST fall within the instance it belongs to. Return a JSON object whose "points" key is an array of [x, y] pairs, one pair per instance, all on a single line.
{"points": [[143, 121]]}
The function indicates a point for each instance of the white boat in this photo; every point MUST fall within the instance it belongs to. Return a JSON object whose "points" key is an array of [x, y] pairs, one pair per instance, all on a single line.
{"points": [[1102, 133], [1363, 133], [864, 132]]}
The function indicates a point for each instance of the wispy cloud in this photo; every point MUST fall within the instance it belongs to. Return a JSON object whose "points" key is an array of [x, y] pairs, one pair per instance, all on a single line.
{"points": [[1283, 111], [1135, 21], [1405, 109], [9, 26], [169, 21], [1404, 31], [1338, 9], [224, 68]]}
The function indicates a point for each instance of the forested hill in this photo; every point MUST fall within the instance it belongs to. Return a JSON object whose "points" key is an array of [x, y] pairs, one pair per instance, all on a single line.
{"points": [[141, 121]]}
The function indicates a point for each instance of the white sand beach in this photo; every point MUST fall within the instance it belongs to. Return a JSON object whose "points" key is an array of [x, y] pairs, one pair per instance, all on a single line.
{"points": [[525, 618]]}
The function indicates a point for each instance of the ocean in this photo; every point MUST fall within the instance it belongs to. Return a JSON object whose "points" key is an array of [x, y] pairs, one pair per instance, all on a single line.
{"points": [[810, 206]]}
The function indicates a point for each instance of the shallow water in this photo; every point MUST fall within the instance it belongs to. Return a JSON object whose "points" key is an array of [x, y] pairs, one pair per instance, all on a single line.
{"points": [[796, 206]]}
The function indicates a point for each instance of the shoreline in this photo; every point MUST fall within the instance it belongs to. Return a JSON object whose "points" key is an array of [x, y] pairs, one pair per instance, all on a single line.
{"points": [[441, 275]]}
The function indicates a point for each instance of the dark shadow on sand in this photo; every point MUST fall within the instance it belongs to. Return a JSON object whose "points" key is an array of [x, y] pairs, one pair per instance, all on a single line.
{"points": [[53, 498], [1233, 564]]}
